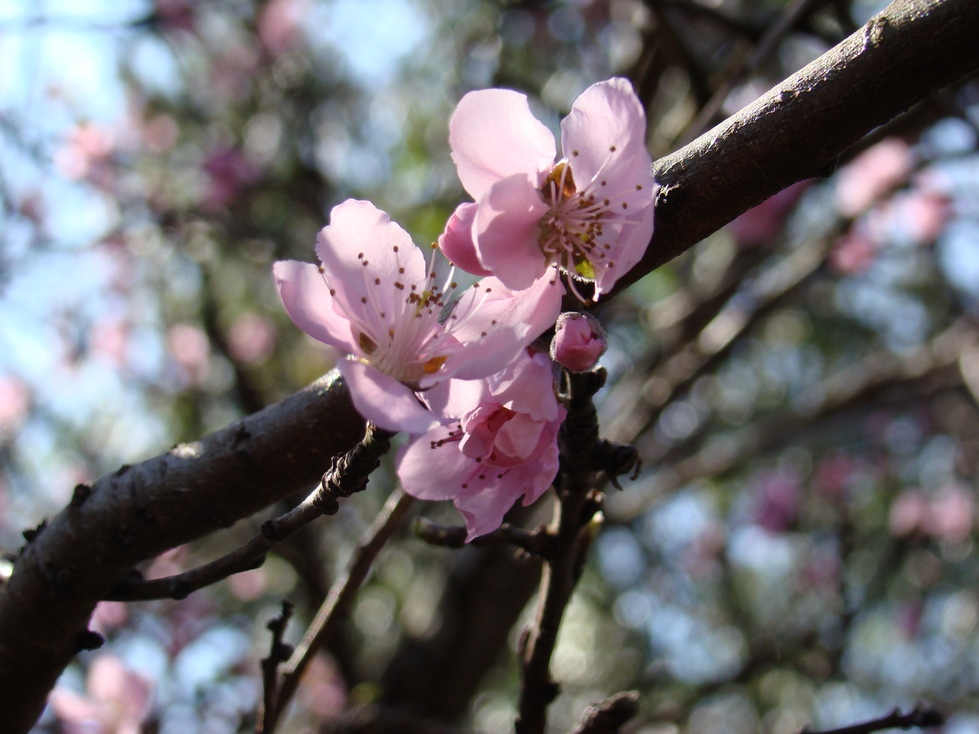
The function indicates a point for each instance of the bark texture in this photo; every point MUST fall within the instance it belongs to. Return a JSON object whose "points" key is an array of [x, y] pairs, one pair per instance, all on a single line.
{"points": [[795, 131]]}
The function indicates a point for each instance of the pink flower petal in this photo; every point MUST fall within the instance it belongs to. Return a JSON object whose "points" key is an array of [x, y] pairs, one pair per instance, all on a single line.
{"points": [[506, 232], [432, 468], [456, 242], [606, 125], [309, 304], [383, 400], [365, 256], [496, 323], [629, 249], [494, 135]]}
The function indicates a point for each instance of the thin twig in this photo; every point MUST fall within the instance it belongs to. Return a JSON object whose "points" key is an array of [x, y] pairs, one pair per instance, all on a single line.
{"points": [[534, 542], [348, 474], [571, 533], [920, 716], [279, 652], [335, 606]]}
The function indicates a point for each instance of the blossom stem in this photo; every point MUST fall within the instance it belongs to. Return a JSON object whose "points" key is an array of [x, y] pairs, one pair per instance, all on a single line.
{"points": [[571, 533]]}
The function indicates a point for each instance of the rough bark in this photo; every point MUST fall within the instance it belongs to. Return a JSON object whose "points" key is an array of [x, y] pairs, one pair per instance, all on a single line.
{"points": [[795, 131], [800, 127]]}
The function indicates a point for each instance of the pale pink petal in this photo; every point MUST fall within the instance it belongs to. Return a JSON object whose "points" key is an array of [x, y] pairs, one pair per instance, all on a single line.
{"points": [[606, 126], [383, 400], [506, 232], [494, 135], [527, 387], [309, 304], [432, 467], [453, 398], [630, 248], [495, 323], [519, 438], [70, 707], [493, 495], [366, 257], [456, 242]]}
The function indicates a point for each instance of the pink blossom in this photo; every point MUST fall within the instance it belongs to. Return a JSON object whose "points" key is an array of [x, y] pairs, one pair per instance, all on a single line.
{"points": [[871, 175], [761, 224], [501, 445], [777, 502], [15, 404], [229, 172], [375, 298], [251, 339], [279, 25], [118, 700], [190, 348], [853, 253], [579, 341], [590, 213]]}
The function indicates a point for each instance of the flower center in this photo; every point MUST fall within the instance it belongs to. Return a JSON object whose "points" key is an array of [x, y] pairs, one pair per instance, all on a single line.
{"points": [[571, 229]]}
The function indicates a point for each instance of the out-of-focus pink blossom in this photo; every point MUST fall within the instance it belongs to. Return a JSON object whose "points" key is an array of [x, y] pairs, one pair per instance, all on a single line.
{"points": [[248, 585], [87, 155], [908, 513], [280, 25], [761, 224], [375, 298], [590, 213], [948, 515], [117, 700], [501, 445], [175, 15], [251, 339], [190, 348], [228, 172], [15, 404], [109, 615], [109, 338], [322, 689], [579, 340], [871, 175], [159, 133], [778, 501], [853, 253], [914, 216], [833, 475]]}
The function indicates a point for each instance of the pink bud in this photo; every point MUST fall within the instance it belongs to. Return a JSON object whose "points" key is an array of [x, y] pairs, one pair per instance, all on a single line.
{"points": [[579, 340]]}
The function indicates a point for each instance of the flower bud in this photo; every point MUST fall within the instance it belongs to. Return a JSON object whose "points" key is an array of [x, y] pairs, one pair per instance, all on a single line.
{"points": [[579, 340]]}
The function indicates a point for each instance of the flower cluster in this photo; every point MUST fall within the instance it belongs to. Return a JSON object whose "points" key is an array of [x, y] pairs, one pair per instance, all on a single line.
{"points": [[457, 371]]}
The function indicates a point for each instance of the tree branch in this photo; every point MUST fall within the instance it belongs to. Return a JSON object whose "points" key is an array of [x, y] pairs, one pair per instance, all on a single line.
{"points": [[140, 511], [795, 131], [798, 129]]}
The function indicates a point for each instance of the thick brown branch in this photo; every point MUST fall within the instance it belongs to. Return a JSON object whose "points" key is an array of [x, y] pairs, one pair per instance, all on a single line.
{"points": [[793, 132], [798, 129], [140, 511]]}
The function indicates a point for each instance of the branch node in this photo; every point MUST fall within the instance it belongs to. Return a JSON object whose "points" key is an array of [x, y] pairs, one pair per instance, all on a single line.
{"points": [[88, 640], [81, 493], [30, 534]]}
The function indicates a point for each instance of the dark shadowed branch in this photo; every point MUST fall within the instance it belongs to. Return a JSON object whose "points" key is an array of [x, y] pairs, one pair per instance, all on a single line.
{"points": [[795, 131], [333, 610]]}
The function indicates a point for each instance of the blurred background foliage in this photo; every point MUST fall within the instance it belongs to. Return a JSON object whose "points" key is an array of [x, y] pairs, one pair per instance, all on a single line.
{"points": [[802, 386]]}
